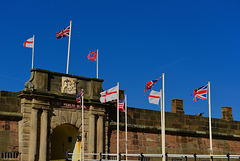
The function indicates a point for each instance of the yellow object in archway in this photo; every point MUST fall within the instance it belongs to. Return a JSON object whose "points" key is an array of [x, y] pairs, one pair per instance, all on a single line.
{"points": [[77, 150]]}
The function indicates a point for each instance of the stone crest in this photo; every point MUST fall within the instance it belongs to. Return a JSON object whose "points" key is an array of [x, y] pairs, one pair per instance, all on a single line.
{"points": [[68, 85]]}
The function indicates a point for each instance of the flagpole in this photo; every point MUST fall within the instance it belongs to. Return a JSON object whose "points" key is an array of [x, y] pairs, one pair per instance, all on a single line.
{"points": [[82, 127], [161, 105], [97, 63], [33, 51], [163, 119], [126, 123], [118, 121], [210, 120], [161, 108], [69, 41]]}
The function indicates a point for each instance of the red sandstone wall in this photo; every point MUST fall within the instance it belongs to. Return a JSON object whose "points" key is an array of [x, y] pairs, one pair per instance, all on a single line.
{"points": [[185, 134], [151, 143], [9, 136]]}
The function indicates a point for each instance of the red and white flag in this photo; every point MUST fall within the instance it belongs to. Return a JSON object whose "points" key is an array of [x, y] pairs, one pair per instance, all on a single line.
{"points": [[29, 43], [154, 97], [109, 95]]}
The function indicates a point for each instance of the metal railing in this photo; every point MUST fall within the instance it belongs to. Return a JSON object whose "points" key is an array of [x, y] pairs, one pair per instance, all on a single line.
{"points": [[10, 155], [146, 157]]}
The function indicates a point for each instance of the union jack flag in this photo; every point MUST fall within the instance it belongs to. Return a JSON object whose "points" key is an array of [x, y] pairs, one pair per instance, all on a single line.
{"points": [[63, 33], [200, 93], [78, 99], [150, 84], [121, 105]]}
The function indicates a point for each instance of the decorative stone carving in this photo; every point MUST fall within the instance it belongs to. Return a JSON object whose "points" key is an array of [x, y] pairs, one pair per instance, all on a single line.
{"points": [[68, 85]]}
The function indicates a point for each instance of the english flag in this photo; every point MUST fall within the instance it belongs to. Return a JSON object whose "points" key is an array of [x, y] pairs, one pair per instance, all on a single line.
{"points": [[109, 95], [200, 93], [29, 43], [154, 97], [92, 56]]}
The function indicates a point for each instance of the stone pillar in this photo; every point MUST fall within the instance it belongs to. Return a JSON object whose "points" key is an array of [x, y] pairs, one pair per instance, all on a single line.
{"points": [[33, 134], [227, 113], [92, 131], [177, 106], [100, 134], [43, 136]]}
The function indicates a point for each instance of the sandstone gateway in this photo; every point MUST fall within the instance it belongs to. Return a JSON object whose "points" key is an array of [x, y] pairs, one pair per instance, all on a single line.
{"points": [[42, 122]]}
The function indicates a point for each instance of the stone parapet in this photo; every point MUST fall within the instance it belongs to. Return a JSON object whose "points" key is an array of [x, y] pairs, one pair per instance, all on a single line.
{"points": [[63, 85], [151, 118]]}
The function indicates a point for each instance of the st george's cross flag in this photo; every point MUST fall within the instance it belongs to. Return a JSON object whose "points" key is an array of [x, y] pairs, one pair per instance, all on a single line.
{"points": [[92, 55], [29, 43], [121, 105], [63, 33], [150, 84], [109, 95], [200, 93], [79, 96], [154, 97]]}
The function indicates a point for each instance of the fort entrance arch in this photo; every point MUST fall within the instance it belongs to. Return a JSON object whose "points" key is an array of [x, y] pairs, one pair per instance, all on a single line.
{"points": [[63, 139], [52, 120]]}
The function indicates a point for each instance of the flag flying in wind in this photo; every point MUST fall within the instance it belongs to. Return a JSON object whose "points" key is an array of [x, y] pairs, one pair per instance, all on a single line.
{"points": [[154, 97], [92, 55], [79, 96], [63, 33], [200, 93], [108, 95], [121, 105], [28, 43], [150, 84]]}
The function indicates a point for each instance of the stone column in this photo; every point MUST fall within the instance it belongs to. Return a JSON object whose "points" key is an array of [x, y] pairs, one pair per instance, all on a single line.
{"points": [[43, 136], [92, 131], [100, 134], [33, 134]]}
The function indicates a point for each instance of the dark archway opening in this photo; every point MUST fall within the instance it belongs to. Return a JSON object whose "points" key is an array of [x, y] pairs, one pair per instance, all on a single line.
{"points": [[63, 139]]}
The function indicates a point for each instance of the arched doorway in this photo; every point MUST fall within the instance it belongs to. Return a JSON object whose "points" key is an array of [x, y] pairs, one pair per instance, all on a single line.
{"points": [[63, 138]]}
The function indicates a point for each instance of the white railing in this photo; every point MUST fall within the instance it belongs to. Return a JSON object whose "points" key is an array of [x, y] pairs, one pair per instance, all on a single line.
{"points": [[145, 157]]}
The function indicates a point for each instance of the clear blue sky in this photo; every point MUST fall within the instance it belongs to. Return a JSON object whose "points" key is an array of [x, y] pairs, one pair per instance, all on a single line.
{"points": [[192, 42]]}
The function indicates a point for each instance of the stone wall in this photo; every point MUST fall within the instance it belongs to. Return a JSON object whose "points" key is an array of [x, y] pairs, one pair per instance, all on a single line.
{"points": [[185, 134], [49, 101]]}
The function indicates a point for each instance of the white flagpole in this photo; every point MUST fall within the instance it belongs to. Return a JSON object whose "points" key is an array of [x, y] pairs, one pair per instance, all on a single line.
{"points": [[33, 50], [210, 120], [163, 119], [69, 41], [161, 108], [82, 127], [126, 123], [97, 63], [161, 114], [117, 121]]}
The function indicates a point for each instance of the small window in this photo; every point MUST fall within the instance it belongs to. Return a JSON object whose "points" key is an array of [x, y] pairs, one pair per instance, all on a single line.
{"points": [[7, 125], [69, 139]]}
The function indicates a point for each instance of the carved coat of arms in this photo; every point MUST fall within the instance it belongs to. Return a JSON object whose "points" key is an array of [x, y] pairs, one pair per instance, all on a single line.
{"points": [[68, 85]]}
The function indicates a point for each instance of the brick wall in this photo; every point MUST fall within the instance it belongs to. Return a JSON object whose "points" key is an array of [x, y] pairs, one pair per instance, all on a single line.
{"points": [[9, 118]]}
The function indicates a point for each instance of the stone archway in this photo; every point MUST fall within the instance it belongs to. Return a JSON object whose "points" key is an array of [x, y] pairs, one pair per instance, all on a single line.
{"points": [[62, 139]]}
